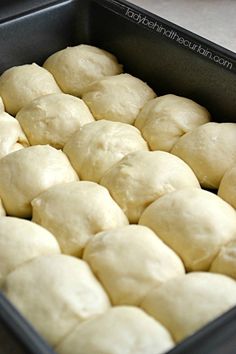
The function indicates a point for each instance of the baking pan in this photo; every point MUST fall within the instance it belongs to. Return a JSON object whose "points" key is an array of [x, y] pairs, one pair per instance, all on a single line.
{"points": [[170, 58]]}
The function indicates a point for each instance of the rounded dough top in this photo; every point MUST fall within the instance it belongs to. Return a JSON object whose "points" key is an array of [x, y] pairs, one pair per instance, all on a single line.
{"points": [[75, 68], [143, 176], [165, 119], [185, 304], [97, 146], [227, 189], [129, 261], [75, 212], [55, 293], [19, 85], [225, 261], [195, 223], [12, 138], [209, 150], [27, 172], [118, 98], [133, 332], [22, 240]]}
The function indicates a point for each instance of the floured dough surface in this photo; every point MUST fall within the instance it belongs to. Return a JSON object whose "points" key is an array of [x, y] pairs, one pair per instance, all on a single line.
{"points": [[75, 212], [118, 98], [19, 85], [75, 68], [210, 150], [131, 260], [52, 119], [225, 261], [96, 147], [165, 119], [143, 176], [27, 172], [22, 240], [119, 330], [185, 304], [55, 293], [227, 189]]}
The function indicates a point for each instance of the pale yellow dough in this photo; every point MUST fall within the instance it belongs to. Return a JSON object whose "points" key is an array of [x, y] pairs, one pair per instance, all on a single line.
{"points": [[185, 304], [75, 212], [195, 223], [52, 119], [27, 172], [118, 98], [96, 147], [2, 108], [210, 150], [55, 293], [75, 68], [225, 261], [144, 176], [20, 241], [227, 189], [19, 85], [120, 330], [129, 261], [2, 209], [165, 119]]}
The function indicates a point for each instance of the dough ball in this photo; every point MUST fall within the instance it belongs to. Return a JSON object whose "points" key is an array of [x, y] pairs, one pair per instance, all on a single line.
{"points": [[143, 176], [227, 189], [119, 330], [129, 261], [12, 138], [2, 210], [194, 223], [27, 172], [225, 261], [185, 304], [209, 150], [2, 108], [165, 119], [19, 85], [96, 147], [118, 98], [22, 240], [52, 119], [75, 212], [75, 68], [55, 293]]}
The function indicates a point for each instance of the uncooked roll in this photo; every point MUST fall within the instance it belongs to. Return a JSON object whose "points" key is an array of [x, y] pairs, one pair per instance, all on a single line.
{"points": [[19, 85], [55, 293], [195, 223], [27, 172], [75, 68], [12, 137], [96, 147], [129, 261], [210, 150], [185, 304], [75, 212], [20, 241], [225, 261], [165, 119], [143, 176], [118, 98], [227, 189], [52, 119], [119, 330], [2, 108]]}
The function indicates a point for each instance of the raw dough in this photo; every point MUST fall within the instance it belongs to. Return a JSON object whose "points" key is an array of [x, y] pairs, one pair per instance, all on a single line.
{"points": [[96, 147], [2, 108], [75, 212], [225, 261], [55, 293], [52, 119], [195, 223], [227, 189], [120, 330], [19, 85], [165, 119], [27, 172], [185, 304], [118, 98], [209, 150], [2, 210], [75, 68], [129, 261], [143, 176], [22, 240]]}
